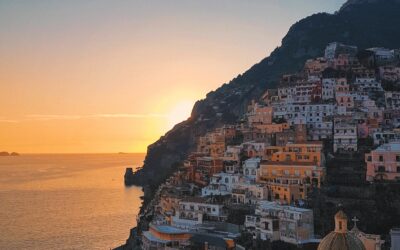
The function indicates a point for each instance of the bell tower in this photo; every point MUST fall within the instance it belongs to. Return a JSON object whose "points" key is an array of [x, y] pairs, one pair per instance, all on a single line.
{"points": [[340, 222]]}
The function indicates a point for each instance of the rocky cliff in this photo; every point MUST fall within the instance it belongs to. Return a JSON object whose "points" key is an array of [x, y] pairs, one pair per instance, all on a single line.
{"points": [[354, 3], [365, 23]]}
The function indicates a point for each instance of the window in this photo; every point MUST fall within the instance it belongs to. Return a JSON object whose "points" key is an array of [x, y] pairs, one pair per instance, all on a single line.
{"points": [[398, 158], [381, 158]]}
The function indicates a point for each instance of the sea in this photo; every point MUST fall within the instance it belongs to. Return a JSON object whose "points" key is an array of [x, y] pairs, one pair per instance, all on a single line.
{"points": [[67, 201]]}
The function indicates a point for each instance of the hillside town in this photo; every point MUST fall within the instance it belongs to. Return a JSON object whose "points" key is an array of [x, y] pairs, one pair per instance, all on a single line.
{"points": [[258, 184]]}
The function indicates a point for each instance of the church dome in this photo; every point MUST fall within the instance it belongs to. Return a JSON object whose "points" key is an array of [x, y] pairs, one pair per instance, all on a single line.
{"points": [[341, 238]]}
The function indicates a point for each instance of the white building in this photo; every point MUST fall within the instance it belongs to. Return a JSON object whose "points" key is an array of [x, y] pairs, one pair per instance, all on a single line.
{"points": [[368, 84], [220, 184], [395, 238], [276, 222], [245, 193], [304, 113], [382, 55], [328, 88], [344, 136], [232, 153], [197, 210], [383, 137], [392, 99], [320, 130], [250, 167], [300, 92]]}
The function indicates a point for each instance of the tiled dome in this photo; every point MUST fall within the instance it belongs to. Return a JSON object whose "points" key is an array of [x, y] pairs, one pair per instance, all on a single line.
{"points": [[341, 238], [341, 241]]}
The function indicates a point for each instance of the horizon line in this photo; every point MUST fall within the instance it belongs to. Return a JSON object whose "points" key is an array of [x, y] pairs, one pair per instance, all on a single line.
{"points": [[66, 153]]}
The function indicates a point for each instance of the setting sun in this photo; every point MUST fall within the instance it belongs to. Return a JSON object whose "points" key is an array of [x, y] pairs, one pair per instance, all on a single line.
{"points": [[180, 112]]}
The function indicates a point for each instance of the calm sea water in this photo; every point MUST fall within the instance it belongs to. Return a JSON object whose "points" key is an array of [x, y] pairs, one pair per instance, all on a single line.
{"points": [[67, 201]]}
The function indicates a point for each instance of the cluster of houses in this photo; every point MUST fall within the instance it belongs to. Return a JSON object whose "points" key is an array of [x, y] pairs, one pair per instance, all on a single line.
{"points": [[269, 163]]}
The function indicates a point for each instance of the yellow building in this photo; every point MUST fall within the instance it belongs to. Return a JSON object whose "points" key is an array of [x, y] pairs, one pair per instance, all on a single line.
{"points": [[288, 182], [304, 152], [213, 143], [286, 193], [298, 153]]}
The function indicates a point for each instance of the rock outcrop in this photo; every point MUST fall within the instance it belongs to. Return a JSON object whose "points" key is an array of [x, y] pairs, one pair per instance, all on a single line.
{"points": [[5, 153], [355, 3]]}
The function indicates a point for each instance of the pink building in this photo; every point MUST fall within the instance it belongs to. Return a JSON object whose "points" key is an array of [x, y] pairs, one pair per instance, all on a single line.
{"points": [[345, 99], [342, 85], [383, 163]]}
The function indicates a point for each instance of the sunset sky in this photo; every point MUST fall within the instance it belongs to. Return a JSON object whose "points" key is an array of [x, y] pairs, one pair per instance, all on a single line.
{"points": [[110, 76]]}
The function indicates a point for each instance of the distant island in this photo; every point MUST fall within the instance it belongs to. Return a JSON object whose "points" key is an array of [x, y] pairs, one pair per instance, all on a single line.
{"points": [[5, 153]]}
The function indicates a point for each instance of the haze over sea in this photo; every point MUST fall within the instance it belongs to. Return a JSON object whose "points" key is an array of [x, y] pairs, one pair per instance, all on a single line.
{"points": [[71, 201]]}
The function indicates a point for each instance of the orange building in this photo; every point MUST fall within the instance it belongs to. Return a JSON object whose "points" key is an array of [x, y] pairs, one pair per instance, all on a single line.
{"points": [[165, 237], [271, 128], [202, 168], [259, 114], [168, 205], [310, 152], [290, 181]]}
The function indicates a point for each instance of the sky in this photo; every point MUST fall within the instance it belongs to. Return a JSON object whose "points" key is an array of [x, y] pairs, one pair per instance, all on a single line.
{"points": [[94, 76]]}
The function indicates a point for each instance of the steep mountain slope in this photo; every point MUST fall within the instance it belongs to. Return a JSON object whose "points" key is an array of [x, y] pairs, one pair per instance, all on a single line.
{"points": [[365, 23]]}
